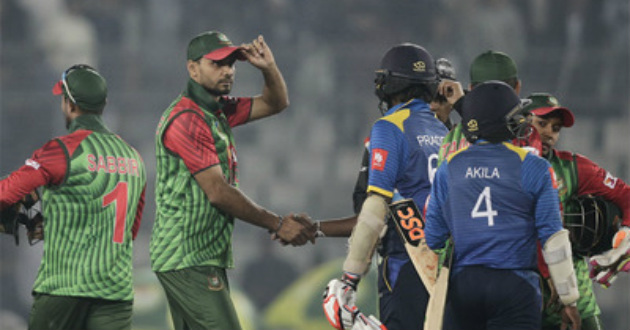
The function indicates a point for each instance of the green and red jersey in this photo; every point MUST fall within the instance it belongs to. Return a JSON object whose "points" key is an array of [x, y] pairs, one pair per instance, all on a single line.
{"points": [[194, 134], [92, 201], [577, 175], [455, 140]]}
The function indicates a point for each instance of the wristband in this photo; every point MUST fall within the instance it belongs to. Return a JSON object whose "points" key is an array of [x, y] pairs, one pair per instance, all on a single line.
{"points": [[279, 226], [319, 232]]}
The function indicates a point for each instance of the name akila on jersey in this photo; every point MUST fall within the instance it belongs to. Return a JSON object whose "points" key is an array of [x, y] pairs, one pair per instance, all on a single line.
{"points": [[482, 173]]}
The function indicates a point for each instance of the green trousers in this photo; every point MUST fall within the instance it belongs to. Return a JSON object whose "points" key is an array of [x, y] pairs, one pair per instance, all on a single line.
{"points": [[199, 299], [76, 313]]}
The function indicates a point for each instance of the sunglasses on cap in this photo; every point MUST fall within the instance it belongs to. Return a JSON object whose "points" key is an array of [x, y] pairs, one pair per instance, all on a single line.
{"points": [[65, 74]]}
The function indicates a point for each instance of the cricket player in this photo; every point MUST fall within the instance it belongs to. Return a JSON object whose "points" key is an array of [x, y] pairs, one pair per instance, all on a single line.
{"points": [[579, 176], [403, 155], [93, 186], [496, 200]]}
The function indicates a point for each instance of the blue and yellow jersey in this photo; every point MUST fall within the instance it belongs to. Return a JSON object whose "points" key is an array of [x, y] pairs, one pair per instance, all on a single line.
{"points": [[495, 200], [404, 146]]}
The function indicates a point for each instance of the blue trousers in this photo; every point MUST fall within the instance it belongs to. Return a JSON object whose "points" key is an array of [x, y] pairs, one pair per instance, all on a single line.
{"points": [[403, 298], [481, 298]]}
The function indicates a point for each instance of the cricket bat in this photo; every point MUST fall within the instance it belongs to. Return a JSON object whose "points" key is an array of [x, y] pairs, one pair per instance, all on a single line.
{"points": [[435, 310], [410, 225]]}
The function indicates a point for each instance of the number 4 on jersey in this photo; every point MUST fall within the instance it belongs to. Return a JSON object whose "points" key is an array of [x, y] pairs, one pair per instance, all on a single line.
{"points": [[486, 198]]}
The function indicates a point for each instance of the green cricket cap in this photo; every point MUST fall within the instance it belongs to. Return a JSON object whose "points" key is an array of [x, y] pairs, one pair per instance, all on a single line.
{"points": [[84, 86], [492, 65], [212, 45], [545, 103]]}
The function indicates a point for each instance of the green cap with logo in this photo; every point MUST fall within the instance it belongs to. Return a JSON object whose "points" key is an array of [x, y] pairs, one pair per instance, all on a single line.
{"points": [[492, 65], [544, 103], [212, 45], [83, 86]]}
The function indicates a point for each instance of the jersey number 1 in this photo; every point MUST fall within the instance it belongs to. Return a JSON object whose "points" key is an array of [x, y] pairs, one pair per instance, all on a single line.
{"points": [[119, 196], [486, 198]]}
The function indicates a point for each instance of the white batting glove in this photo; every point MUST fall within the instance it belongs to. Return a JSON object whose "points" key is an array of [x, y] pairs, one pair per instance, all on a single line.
{"points": [[363, 322], [339, 303]]}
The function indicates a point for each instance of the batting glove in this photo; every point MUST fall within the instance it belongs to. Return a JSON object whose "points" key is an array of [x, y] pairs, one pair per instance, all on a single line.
{"points": [[363, 322], [339, 301]]}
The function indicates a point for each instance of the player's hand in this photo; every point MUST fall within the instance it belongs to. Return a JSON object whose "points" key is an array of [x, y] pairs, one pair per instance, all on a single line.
{"points": [[258, 53], [571, 318], [296, 230], [339, 302], [553, 303], [451, 89], [362, 322]]}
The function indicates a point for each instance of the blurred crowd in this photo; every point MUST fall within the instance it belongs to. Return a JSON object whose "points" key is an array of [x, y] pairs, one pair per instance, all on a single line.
{"points": [[306, 159]]}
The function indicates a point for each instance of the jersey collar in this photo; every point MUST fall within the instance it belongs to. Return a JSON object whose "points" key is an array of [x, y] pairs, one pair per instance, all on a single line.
{"points": [[199, 94], [415, 104], [90, 122]]}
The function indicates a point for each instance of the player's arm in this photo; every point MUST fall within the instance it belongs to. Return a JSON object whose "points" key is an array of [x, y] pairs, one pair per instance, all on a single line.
{"points": [[340, 227], [436, 230], [343, 227], [47, 165], [388, 152], [231, 200], [189, 137], [538, 179], [595, 180], [370, 223], [275, 95]]}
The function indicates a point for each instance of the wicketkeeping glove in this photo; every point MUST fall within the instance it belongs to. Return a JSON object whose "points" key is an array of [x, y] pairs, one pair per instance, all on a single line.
{"points": [[9, 221], [606, 266], [339, 301]]}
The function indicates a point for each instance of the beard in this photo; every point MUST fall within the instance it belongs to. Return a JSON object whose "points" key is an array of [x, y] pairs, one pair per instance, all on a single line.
{"points": [[218, 90]]}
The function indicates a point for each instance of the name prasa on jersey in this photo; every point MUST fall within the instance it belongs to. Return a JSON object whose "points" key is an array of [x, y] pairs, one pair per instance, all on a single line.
{"points": [[112, 164]]}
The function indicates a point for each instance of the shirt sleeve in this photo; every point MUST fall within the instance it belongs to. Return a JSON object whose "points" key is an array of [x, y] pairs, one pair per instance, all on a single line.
{"points": [[436, 229], [595, 180], [189, 137], [538, 178], [47, 166], [237, 110], [388, 150]]}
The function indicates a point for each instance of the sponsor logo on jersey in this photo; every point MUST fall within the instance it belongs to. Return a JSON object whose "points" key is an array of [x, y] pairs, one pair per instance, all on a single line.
{"points": [[482, 173], [32, 163], [429, 140], [610, 181], [379, 158]]}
